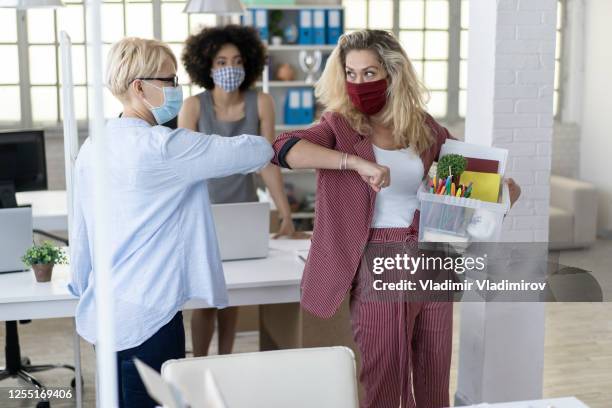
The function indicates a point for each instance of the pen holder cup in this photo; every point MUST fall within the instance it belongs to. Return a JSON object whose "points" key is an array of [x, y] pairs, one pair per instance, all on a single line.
{"points": [[445, 218]]}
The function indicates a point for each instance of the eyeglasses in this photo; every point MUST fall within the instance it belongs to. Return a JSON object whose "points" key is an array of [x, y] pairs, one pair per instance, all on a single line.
{"points": [[173, 79]]}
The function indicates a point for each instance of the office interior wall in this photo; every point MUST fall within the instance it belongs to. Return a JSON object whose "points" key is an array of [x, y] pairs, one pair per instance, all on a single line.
{"points": [[596, 134]]}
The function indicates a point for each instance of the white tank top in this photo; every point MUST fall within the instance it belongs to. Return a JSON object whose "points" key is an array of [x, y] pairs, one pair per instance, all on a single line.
{"points": [[396, 204]]}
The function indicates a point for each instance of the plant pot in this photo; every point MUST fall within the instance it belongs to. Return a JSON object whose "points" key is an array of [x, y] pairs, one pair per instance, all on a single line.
{"points": [[42, 272], [277, 40]]}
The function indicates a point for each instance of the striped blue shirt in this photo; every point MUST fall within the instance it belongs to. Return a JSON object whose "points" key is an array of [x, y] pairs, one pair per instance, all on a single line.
{"points": [[163, 241]]}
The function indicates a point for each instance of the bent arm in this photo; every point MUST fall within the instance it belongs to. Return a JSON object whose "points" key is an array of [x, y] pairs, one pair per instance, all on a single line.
{"points": [[318, 139], [313, 148], [271, 174], [195, 156]]}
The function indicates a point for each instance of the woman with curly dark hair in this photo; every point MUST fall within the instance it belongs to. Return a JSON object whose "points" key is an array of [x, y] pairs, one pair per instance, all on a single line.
{"points": [[227, 61]]}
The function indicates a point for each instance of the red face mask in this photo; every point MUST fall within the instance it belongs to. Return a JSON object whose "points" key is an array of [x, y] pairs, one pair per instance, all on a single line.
{"points": [[368, 97]]}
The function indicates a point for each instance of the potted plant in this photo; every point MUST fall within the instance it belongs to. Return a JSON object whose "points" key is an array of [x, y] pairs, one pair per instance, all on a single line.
{"points": [[456, 163], [41, 259], [275, 29]]}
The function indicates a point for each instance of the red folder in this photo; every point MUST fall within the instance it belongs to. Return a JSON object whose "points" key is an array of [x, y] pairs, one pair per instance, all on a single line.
{"points": [[482, 165]]}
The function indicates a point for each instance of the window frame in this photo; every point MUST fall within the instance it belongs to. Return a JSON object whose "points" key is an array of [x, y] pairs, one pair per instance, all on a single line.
{"points": [[454, 55], [453, 72]]}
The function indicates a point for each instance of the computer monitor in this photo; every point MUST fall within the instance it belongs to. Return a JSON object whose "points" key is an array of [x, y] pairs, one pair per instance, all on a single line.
{"points": [[23, 164]]}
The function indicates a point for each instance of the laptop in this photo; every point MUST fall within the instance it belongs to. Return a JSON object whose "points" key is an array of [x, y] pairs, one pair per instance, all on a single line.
{"points": [[15, 238], [243, 230]]}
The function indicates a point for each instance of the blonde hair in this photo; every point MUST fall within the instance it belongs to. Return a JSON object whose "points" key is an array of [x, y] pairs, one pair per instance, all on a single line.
{"points": [[132, 58], [405, 108]]}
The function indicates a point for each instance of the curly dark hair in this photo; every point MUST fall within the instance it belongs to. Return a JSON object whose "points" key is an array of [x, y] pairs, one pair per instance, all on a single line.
{"points": [[201, 49]]}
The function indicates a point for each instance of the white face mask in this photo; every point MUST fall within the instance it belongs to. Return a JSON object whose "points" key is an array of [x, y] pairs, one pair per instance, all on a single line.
{"points": [[170, 107]]}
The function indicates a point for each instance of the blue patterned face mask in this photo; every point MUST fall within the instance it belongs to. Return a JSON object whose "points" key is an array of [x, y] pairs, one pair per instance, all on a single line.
{"points": [[170, 107], [228, 78]]}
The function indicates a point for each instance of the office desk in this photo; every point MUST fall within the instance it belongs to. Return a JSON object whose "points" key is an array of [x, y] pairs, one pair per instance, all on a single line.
{"points": [[570, 402], [275, 279], [49, 209]]}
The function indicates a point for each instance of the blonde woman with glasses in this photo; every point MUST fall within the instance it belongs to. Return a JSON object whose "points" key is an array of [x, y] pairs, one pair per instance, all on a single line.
{"points": [[163, 244], [372, 148]]}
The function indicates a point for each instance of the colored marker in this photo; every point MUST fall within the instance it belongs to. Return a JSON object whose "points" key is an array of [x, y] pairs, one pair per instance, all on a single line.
{"points": [[452, 189], [468, 191]]}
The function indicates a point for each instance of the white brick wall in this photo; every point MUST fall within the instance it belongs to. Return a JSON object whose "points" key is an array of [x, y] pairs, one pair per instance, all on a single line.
{"points": [[523, 104]]}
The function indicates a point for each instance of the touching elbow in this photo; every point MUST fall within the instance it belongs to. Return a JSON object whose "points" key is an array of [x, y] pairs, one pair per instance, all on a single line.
{"points": [[269, 153], [263, 150]]}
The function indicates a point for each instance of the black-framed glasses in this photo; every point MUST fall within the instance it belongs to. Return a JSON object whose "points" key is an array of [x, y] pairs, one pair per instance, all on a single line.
{"points": [[173, 79]]}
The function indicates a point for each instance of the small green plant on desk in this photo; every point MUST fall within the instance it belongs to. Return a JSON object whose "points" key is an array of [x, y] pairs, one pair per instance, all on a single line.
{"points": [[42, 258]]}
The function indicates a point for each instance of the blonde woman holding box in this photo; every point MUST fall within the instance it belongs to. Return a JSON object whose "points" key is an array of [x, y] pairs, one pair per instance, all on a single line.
{"points": [[372, 148]]}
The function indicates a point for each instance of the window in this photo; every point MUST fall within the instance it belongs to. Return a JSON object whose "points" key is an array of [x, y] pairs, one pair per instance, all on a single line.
{"points": [[44, 61], [30, 76], [175, 27], [434, 34], [10, 101]]}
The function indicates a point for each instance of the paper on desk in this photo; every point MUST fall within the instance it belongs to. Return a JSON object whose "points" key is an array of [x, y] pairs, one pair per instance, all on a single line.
{"points": [[290, 244], [302, 254]]}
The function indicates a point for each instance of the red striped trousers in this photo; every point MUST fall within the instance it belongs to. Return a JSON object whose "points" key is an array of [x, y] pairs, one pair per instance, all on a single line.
{"points": [[405, 347]]}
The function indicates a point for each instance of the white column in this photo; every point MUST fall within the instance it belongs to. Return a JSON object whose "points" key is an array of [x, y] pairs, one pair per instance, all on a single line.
{"points": [[510, 104], [596, 138]]}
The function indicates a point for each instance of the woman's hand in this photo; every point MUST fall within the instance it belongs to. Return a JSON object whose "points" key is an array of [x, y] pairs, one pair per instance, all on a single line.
{"points": [[375, 175], [514, 190], [288, 230]]}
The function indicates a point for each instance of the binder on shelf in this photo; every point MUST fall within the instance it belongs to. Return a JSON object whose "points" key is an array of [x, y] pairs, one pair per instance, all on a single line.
{"points": [[305, 27], [247, 19], [307, 109], [293, 107], [318, 26], [261, 23], [334, 26]]}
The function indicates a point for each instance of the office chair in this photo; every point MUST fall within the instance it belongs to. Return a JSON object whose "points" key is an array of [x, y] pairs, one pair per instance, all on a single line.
{"points": [[322, 377], [21, 367]]}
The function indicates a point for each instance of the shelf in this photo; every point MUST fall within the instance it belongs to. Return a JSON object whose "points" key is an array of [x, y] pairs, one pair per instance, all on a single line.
{"points": [[284, 127], [284, 84], [300, 47]]}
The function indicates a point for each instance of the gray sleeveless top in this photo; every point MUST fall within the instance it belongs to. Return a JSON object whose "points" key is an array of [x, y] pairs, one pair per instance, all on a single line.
{"points": [[237, 188]]}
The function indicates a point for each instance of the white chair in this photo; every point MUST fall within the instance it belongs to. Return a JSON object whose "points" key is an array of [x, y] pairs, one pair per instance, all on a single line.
{"points": [[311, 377]]}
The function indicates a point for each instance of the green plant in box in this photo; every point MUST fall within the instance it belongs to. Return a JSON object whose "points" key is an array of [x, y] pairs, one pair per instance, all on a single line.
{"points": [[455, 162]]}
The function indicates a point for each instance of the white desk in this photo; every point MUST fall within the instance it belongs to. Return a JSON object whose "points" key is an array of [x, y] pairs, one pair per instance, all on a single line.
{"points": [[49, 209], [275, 279], [570, 402]]}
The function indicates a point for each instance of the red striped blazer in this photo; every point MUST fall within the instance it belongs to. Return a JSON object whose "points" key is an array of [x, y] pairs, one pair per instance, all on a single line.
{"points": [[344, 209]]}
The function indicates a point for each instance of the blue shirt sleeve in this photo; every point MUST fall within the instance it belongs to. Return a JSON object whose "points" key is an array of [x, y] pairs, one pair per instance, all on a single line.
{"points": [[80, 256], [195, 156]]}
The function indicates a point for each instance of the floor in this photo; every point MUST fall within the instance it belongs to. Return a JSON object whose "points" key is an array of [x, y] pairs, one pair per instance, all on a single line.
{"points": [[578, 346]]}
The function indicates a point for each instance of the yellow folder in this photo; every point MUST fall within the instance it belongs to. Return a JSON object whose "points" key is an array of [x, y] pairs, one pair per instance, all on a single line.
{"points": [[485, 186]]}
